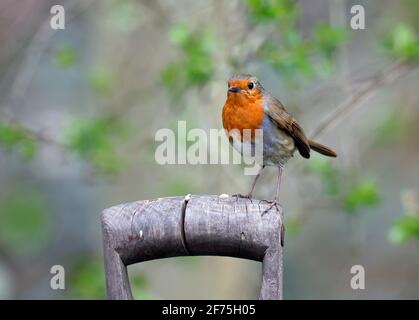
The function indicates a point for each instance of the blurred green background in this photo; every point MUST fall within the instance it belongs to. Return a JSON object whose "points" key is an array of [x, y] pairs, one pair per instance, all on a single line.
{"points": [[79, 109]]}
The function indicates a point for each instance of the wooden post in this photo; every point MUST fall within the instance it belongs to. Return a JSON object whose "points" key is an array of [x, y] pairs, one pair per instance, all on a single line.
{"points": [[192, 225]]}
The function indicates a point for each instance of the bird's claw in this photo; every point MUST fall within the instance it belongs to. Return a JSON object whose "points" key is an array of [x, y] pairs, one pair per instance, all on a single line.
{"points": [[274, 203], [245, 196]]}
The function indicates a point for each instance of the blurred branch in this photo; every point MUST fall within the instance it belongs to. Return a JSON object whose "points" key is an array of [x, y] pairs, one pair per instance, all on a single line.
{"points": [[352, 103], [159, 10], [38, 135], [35, 50]]}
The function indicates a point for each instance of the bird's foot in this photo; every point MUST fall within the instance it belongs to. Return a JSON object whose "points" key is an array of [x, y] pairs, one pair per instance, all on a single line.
{"points": [[274, 203], [243, 196]]}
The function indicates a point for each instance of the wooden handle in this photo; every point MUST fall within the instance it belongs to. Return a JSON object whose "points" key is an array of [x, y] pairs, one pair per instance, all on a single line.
{"points": [[192, 225]]}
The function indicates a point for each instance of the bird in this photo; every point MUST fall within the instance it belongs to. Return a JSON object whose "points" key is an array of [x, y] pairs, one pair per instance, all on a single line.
{"points": [[250, 106]]}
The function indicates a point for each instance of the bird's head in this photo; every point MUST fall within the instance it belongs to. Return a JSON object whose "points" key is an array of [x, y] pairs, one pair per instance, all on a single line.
{"points": [[244, 86]]}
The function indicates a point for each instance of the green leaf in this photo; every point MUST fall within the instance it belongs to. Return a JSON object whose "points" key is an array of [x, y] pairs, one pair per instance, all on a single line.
{"points": [[293, 227], [393, 127], [180, 34], [280, 11], [402, 42], [289, 61], [195, 67], [94, 140], [328, 38], [65, 57], [323, 167], [23, 219], [177, 187], [100, 80], [13, 137], [365, 194], [404, 229], [294, 56], [124, 16], [140, 287], [172, 78], [87, 279]]}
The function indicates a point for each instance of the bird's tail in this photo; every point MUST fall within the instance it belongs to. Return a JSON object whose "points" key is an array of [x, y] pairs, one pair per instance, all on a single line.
{"points": [[320, 148]]}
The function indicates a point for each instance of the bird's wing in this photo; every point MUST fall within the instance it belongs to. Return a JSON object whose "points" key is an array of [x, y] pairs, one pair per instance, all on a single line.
{"points": [[287, 123]]}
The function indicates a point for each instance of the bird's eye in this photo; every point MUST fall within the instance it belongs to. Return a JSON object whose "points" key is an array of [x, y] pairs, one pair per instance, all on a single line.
{"points": [[250, 85]]}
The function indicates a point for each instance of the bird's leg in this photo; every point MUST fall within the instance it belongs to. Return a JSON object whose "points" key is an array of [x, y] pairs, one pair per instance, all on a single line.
{"points": [[249, 195], [275, 202], [278, 186]]}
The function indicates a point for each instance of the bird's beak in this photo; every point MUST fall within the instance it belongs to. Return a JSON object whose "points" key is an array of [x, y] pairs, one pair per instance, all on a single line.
{"points": [[234, 89]]}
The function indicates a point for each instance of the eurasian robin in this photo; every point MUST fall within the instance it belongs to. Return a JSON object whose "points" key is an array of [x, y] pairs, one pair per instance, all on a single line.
{"points": [[250, 106]]}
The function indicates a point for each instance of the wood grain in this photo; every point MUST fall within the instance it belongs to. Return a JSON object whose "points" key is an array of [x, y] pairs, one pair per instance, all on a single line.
{"points": [[196, 225]]}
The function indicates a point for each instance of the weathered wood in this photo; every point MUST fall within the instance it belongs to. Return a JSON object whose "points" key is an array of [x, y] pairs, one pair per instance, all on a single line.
{"points": [[196, 225]]}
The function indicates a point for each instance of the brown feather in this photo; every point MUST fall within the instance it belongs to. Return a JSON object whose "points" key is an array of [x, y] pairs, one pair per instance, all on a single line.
{"points": [[320, 148], [287, 123]]}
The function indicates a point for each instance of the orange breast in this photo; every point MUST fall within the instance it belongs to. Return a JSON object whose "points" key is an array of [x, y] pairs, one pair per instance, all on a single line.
{"points": [[243, 112]]}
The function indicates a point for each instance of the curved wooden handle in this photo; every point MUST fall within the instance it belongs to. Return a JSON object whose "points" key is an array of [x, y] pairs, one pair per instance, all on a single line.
{"points": [[192, 225]]}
